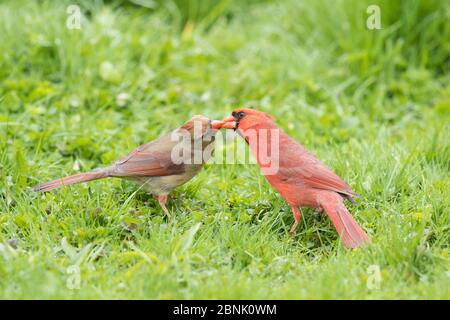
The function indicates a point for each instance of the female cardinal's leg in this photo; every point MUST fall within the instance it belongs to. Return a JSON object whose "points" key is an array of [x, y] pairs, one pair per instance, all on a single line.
{"points": [[162, 198], [297, 217]]}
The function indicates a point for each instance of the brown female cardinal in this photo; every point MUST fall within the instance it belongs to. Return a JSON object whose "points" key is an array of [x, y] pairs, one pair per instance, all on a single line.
{"points": [[160, 165], [301, 178]]}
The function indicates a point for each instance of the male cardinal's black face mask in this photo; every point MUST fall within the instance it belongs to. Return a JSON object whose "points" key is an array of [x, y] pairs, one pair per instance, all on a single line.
{"points": [[237, 116]]}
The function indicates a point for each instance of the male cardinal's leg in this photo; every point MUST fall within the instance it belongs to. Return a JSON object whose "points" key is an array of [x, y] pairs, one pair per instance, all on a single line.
{"points": [[162, 198], [297, 217]]}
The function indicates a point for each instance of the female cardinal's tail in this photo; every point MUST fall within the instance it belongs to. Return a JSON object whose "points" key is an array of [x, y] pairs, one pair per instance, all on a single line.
{"points": [[80, 177], [351, 233]]}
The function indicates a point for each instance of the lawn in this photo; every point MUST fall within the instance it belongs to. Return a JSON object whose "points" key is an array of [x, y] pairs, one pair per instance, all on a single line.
{"points": [[374, 105]]}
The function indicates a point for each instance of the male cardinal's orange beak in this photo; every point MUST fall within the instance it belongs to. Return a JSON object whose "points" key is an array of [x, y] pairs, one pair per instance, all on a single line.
{"points": [[229, 123]]}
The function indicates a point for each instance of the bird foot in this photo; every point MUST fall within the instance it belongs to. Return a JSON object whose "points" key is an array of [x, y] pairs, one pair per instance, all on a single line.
{"points": [[293, 228], [162, 198], [167, 213]]}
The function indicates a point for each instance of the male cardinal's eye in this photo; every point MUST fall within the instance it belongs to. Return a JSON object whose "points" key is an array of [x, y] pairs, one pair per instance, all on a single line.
{"points": [[238, 115]]}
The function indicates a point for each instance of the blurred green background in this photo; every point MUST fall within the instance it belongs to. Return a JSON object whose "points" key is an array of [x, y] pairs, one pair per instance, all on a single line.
{"points": [[373, 104]]}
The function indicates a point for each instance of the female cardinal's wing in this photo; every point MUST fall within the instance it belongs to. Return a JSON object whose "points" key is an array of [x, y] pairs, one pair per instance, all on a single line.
{"points": [[299, 166], [151, 159]]}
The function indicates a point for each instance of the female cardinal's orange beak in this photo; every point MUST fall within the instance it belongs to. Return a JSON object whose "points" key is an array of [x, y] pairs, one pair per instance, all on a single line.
{"points": [[227, 123], [216, 124]]}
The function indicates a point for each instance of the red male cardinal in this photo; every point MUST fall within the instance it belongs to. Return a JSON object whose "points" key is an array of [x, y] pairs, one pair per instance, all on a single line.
{"points": [[156, 165], [301, 178]]}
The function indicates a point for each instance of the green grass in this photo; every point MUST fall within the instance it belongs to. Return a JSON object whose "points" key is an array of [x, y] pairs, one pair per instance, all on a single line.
{"points": [[373, 104]]}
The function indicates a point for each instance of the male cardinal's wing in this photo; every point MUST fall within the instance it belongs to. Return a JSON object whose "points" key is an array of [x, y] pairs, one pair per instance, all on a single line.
{"points": [[151, 159], [299, 166]]}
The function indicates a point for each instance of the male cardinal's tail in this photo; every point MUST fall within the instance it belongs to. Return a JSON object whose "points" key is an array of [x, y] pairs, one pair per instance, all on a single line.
{"points": [[351, 233], [80, 177]]}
